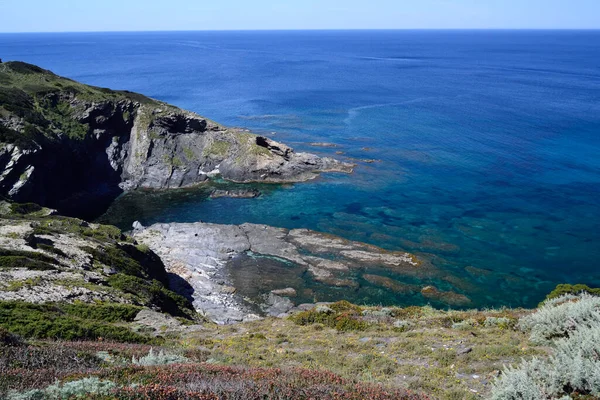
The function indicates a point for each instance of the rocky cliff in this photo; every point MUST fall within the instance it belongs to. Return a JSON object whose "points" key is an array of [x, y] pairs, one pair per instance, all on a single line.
{"points": [[75, 147]]}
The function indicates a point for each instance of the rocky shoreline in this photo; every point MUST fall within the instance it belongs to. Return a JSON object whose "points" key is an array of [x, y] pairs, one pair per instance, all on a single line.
{"points": [[206, 255]]}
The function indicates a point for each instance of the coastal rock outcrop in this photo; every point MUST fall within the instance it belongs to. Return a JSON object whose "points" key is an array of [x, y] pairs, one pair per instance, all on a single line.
{"points": [[212, 258], [46, 258], [73, 147]]}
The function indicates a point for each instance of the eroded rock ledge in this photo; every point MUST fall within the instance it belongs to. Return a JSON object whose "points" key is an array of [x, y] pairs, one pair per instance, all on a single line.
{"points": [[199, 253]]}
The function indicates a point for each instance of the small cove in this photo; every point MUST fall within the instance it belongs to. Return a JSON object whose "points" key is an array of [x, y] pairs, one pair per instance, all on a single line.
{"points": [[482, 146]]}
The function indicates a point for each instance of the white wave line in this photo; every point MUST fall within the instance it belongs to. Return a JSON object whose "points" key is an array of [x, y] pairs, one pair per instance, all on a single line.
{"points": [[353, 112]]}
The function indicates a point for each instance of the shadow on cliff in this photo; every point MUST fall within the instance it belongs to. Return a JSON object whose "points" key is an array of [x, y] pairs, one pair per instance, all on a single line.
{"points": [[180, 286], [79, 177], [75, 178]]}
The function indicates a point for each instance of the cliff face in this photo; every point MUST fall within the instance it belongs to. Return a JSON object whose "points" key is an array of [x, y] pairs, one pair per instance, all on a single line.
{"points": [[76, 147]]}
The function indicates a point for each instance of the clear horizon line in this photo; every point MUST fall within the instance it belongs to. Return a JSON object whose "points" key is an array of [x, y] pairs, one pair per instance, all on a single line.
{"points": [[305, 30]]}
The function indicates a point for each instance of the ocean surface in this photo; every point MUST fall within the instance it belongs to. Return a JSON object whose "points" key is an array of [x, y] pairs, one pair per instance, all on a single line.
{"points": [[477, 150]]}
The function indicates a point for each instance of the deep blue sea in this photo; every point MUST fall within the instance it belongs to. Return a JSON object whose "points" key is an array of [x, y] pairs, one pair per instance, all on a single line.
{"points": [[486, 143]]}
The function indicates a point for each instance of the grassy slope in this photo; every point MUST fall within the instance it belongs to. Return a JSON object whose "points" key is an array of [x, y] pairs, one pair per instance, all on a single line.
{"points": [[427, 355], [137, 277], [26, 91]]}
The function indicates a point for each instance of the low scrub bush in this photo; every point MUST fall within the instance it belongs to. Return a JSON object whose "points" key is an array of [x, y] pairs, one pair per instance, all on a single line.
{"points": [[103, 232], [466, 324], [67, 357], [211, 382], [411, 312], [26, 259], [500, 322], [563, 289], [153, 293], [113, 257], [571, 324], [79, 389], [342, 316], [8, 339], [162, 358], [67, 322], [573, 370], [561, 316], [401, 325], [24, 208], [103, 312]]}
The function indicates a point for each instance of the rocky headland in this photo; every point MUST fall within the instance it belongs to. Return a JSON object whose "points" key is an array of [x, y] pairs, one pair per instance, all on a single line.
{"points": [[75, 147]]}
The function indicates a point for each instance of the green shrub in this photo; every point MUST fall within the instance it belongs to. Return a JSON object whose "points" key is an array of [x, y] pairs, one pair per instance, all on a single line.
{"points": [[411, 312], [8, 339], [26, 259], [113, 257], [104, 232], [143, 248], [563, 289], [466, 324], [128, 259], [574, 368], [345, 306], [24, 262], [66, 322], [51, 249], [162, 358], [571, 324], [522, 382], [343, 316], [62, 225], [103, 312], [500, 322], [346, 322], [153, 293], [28, 254]]}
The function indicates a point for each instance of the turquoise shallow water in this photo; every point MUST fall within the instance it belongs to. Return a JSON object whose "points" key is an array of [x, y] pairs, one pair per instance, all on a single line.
{"points": [[486, 143]]}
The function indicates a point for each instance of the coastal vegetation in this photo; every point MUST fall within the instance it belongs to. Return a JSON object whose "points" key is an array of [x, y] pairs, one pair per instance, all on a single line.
{"points": [[427, 351]]}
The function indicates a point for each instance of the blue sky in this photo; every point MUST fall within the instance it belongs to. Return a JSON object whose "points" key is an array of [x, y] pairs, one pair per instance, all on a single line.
{"points": [[141, 15]]}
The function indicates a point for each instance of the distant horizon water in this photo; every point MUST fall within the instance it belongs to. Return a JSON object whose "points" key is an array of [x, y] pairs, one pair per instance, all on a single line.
{"points": [[315, 30], [476, 149]]}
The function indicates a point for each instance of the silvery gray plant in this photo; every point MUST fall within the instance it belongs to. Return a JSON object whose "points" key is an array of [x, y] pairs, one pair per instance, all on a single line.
{"points": [[571, 324]]}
